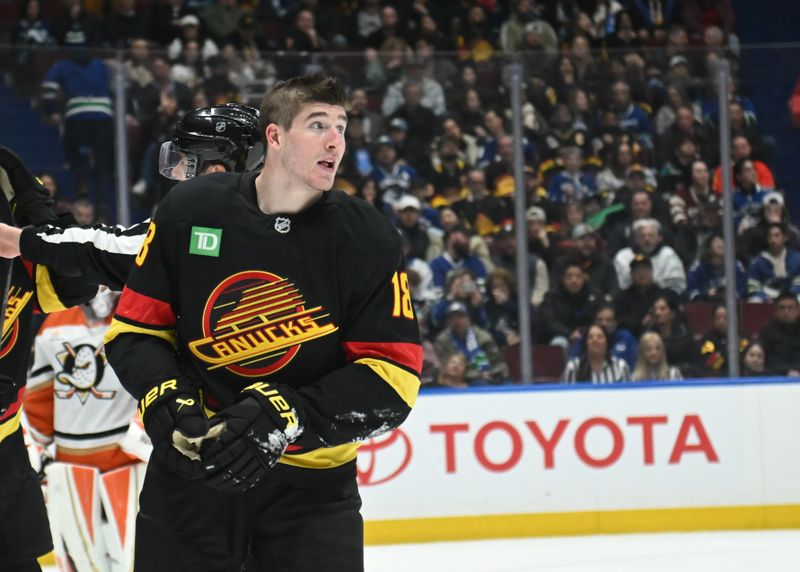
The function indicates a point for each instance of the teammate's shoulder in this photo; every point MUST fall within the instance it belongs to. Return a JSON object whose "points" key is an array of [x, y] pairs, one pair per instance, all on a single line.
{"points": [[204, 193], [356, 215]]}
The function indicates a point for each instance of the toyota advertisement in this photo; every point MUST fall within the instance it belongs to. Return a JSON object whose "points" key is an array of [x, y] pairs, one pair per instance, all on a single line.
{"points": [[582, 451]]}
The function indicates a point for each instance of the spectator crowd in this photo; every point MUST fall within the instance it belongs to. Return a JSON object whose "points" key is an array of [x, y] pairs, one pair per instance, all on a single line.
{"points": [[620, 143]]}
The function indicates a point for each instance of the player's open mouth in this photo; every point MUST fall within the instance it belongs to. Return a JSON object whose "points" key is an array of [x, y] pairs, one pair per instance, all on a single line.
{"points": [[327, 164]]}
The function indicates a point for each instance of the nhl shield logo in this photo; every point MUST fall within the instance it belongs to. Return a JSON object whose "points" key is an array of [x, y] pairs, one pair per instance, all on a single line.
{"points": [[220, 127], [283, 225]]}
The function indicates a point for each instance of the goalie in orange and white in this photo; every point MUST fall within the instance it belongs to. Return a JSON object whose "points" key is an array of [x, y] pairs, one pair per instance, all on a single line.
{"points": [[75, 401]]}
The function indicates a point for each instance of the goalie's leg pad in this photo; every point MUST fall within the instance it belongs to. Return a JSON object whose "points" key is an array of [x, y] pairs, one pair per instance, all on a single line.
{"points": [[74, 508], [119, 492]]}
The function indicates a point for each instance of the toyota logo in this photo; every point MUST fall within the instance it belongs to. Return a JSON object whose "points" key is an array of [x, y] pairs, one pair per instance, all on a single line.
{"points": [[395, 455]]}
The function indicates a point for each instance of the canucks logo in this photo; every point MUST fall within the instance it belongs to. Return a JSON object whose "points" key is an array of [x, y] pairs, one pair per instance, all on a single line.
{"points": [[254, 323], [17, 300], [84, 366]]}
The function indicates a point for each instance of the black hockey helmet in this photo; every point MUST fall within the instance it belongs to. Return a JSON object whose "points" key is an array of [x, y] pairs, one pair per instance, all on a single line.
{"points": [[226, 134]]}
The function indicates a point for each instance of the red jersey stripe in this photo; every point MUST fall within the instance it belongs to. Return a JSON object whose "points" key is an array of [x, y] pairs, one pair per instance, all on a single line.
{"points": [[14, 407], [143, 309], [407, 355]]}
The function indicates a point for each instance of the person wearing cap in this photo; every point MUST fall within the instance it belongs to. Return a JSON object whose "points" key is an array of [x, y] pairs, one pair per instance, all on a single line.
{"points": [[539, 242], [633, 303], [667, 266], [776, 269], [505, 257], [191, 32], [393, 177], [421, 241], [485, 363], [594, 261], [456, 255]]}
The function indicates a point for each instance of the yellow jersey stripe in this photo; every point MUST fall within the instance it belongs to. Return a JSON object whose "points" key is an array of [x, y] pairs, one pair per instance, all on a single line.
{"points": [[10, 425], [406, 384], [323, 458], [46, 292], [118, 327]]}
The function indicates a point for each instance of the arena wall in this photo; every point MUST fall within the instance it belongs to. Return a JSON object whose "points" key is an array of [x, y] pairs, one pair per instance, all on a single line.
{"points": [[537, 461]]}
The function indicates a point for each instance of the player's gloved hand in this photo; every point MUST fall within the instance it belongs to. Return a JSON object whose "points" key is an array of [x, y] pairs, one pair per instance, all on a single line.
{"points": [[8, 393], [256, 432], [31, 201], [174, 420]]}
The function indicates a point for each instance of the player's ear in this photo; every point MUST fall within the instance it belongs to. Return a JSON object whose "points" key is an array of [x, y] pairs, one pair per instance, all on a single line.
{"points": [[273, 135]]}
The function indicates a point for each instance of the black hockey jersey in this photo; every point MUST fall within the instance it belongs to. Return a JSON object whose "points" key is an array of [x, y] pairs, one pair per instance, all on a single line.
{"points": [[317, 300], [33, 288]]}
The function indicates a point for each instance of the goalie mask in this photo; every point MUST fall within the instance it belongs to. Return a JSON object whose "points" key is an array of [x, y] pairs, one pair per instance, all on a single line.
{"points": [[102, 305], [226, 134]]}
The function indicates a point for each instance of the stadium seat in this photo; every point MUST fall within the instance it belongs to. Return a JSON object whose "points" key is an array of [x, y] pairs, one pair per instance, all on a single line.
{"points": [[698, 317], [511, 355], [548, 363], [755, 317]]}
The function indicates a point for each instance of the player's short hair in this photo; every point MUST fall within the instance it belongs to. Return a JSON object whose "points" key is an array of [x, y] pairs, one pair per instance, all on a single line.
{"points": [[282, 104]]}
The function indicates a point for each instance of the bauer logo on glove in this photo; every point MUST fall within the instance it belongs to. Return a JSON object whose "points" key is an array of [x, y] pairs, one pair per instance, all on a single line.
{"points": [[257, 430]]}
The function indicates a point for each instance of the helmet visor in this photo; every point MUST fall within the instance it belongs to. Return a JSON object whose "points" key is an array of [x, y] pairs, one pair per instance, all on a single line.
{"points": [[175, 164]]}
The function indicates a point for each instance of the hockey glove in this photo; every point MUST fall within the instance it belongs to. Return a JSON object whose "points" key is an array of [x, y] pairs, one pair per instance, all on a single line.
{"points": [[8, 393], [256, 432], [31, 201], [174, 420]]}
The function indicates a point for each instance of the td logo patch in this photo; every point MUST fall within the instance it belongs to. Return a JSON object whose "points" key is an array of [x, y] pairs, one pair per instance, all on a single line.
{"points": [[205, 241]]}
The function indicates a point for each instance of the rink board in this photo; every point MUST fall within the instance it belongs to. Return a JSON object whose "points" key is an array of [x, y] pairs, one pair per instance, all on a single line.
{"points": [[708, 455]]}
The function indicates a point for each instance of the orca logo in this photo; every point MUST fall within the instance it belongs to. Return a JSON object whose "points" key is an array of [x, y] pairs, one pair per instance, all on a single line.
{"points": [[396, 452], [254, 323]]}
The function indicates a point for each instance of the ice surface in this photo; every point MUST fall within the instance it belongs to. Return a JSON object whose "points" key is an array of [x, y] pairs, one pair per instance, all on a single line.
{"points": [[757, 551]]}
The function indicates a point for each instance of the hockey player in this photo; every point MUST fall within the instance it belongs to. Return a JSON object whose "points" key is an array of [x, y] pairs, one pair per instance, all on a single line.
{"points": [[92, 255], [207, 140], [24, 530], [292, 305], [75, 400]]}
